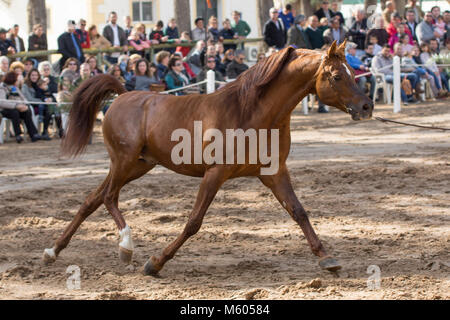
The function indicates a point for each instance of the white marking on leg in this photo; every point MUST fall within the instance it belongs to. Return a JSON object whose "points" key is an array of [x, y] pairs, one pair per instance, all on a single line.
{"points": [[50, 252], [125, 238], [348, 70]]}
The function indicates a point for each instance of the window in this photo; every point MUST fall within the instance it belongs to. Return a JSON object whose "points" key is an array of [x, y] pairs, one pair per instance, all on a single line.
{"points": [[142, 11], [205, 12]]}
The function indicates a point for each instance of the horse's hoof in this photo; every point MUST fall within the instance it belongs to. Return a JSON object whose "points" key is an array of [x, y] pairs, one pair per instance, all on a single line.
{"points": [[149, 268], [125, 255], [330, 264], [49, 256]]}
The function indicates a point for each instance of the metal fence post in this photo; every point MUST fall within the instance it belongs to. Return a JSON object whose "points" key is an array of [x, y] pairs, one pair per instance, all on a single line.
{"points": [[397, 85], [305, 105]]}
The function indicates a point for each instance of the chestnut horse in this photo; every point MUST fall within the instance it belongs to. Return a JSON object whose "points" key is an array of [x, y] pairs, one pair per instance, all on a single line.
{"points": [[138, 131]]}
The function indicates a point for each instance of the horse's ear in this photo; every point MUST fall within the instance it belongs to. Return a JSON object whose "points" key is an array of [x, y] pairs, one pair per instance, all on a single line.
{"points": [[332, 50], [341, 48]]}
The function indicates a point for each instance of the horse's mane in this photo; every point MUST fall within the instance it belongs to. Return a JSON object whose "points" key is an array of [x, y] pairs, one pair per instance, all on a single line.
{"points": [[249, 86]]}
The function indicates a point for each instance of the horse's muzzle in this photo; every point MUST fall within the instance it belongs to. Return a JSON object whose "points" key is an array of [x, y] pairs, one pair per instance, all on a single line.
{"points": [[363, 112]]}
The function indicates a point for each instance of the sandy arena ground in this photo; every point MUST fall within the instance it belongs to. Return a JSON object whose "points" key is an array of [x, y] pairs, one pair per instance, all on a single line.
{"points": [[377, 194]]}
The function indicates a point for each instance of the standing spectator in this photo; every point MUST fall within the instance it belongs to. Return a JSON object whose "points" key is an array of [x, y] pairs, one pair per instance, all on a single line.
{"points": [[16, 40], [195, 58], [418, 13], [396, 28], [274, 31], [158, 34], [83, 35], [175, 77], [199, 33], [4, 66], [137, 43], [37, 41], [162, 63], [16, 111], [69, 45], [335, 12], [237, 66], [324, 11], [185, 37], [296, 35], [97, 40], [425, 31], [359, 68], [287, 17], [378, 31], [388, 11], [436, 12], [6, 46], [128, 25], [335, 33], [171, 30], [314, 34], [411, 23], [358, 31], [213, 29], [227, 33], [210, 65], [240, 26], [116, 36]]}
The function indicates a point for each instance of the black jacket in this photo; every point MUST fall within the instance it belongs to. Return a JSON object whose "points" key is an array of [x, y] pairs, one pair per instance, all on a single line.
{"points": [[321, 14], [108, 33], [67, 48], [274, 36], [22, 45], [355, 35]]}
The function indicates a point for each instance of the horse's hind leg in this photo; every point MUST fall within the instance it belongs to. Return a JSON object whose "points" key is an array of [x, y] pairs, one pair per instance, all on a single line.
{"points": [[121, 174], [211, 183], [92, 202], [281, 186]]}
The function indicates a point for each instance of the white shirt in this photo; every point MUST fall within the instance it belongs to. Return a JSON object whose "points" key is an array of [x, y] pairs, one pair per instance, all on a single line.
{"points": [[116, 39], [17, 41]]}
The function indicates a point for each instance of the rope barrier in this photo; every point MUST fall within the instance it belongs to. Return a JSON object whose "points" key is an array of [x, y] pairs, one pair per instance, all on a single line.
{"points": [[185, 87]]}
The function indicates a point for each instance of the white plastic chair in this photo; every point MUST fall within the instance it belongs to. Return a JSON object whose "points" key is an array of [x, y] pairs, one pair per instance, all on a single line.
{"points": [[380, 83]]}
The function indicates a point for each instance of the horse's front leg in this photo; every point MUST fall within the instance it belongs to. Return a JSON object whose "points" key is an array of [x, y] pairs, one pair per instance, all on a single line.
{"points": [[211, 183], [281, 186]]}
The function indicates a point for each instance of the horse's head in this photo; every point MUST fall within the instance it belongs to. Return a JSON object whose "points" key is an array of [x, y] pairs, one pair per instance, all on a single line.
{"points": [[335, 85]]}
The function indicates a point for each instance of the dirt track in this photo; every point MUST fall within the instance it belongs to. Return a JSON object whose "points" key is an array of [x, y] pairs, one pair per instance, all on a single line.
{"points": [[377, 194]]}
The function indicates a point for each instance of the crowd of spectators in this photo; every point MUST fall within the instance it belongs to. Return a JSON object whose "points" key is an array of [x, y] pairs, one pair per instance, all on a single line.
{"points": [[372, 42]]}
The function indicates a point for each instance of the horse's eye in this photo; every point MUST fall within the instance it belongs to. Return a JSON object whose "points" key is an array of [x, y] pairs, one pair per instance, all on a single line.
{"points": [[337, 77]]}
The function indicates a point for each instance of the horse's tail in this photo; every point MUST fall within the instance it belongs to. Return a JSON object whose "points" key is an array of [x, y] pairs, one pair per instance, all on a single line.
{"points": [[87, 102]]}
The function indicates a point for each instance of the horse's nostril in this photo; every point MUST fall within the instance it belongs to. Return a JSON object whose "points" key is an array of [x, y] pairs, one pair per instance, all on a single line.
{"points": [[366, 107]]}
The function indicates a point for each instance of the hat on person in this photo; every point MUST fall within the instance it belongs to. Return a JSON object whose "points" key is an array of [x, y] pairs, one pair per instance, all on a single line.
{"points": [[3, 30], [299, 18]]}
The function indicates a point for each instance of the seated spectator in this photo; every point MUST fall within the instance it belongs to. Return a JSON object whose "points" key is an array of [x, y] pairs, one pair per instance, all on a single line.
{"points": [[15, 111], [227, 33], [411, 23], [210, 65], [228, 58], [368, 56], [434, 46], [33, 93], [335, 33], [213, 29], [37, 41], [414, 76], [4, 66], [175, 77], [261, 56], [440, 27], [383, 63], [6, 46], [83, 35], [186, 68], [274, 31], [97, 40], [143, 77], [85, 74], [315, 35], [407, 47], [373, 41], [125, 65], [162, 63], [185, 37], [425, 30], [444, 51], [70, 70], [358, 31], [137, 43], [296, 35], [220, 50], [45, 69], [195, 59], [64, 97], [116, 72], [425, 58], [359, 68], [92, 61], [19, 69], [28, 66], [396, 31], [378, 31], [210, 51], [237, 66], [199, 33]]}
